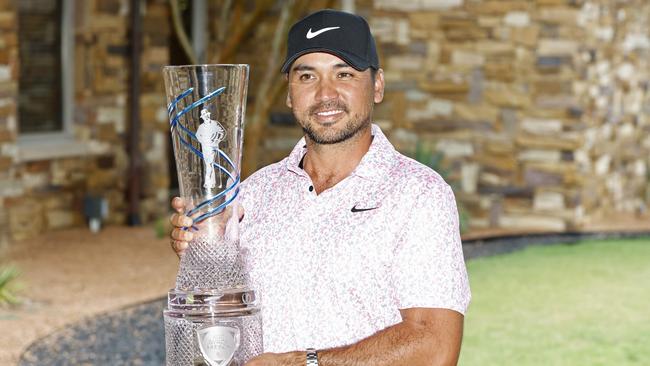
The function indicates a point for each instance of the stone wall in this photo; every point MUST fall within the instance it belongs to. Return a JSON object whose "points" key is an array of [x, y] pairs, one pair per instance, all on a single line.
{"points": [[47, 193], [8, 88], [613, 89], [538, 106]]}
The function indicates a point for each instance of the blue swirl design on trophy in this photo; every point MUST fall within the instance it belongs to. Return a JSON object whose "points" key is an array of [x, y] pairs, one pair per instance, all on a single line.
{"points": [[177, 127]]}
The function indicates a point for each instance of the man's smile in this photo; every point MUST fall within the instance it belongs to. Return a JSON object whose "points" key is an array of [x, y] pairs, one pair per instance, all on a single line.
{"points": [[329, 112]]}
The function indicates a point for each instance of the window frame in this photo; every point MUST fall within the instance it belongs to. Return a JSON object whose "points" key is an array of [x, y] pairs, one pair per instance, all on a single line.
{"points": [[56, 144]]}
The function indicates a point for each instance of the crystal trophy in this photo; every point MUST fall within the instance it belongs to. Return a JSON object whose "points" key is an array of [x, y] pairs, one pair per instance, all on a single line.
{"points": [[213, 315]]}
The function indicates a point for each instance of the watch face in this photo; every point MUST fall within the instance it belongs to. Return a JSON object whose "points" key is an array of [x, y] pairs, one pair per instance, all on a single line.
{"points": [[218, 343]]}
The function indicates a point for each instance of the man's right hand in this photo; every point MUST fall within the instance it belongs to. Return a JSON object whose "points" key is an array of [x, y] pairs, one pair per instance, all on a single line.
{"points": [[180, 236]]}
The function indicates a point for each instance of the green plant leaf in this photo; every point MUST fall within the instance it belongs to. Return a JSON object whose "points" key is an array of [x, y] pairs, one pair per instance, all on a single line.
{"points": [[8, 275]]}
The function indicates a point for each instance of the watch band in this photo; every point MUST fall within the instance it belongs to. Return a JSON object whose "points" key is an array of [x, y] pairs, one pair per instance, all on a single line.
{"points": [[312, 357]]}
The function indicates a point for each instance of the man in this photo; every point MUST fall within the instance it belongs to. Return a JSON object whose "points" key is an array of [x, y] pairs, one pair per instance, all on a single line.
{"points": [[210, 133], [354, 247]]}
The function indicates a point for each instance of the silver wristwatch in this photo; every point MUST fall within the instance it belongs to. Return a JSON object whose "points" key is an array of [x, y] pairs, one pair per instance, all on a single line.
{"points": [[312, 357]]}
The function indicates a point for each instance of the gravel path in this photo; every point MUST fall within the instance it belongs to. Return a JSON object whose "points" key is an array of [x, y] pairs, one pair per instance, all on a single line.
{"points": [[72, 274]]}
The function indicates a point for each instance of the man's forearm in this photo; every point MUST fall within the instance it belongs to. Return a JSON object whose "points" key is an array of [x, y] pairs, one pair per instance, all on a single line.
{"points": [[413, 342], [406, 343]]}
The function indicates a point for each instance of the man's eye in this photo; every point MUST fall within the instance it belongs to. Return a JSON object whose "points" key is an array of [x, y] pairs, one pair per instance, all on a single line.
{"points": [[345, 75], [305, 77]]}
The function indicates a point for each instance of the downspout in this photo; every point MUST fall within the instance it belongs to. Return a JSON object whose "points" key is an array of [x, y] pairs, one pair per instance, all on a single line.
{"points": [[133, 142]]}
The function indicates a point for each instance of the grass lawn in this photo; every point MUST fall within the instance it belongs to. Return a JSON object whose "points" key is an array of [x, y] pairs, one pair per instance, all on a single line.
{"points": [[582, 304]]}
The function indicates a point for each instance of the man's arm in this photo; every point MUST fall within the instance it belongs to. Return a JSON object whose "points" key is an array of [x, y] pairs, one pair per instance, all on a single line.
{"points": [[425, 336]]}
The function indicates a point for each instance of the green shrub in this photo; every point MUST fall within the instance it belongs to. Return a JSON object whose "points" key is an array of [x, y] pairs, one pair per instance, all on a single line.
{"points": [[160, 227], [8, 287]]}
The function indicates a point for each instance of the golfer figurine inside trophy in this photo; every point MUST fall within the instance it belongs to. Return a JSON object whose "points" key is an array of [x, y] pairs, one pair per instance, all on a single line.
{"points": [[213, 315], [210, 133]]}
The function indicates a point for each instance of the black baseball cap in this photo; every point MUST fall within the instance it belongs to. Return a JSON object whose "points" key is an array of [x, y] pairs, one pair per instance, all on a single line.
{"points": [[342, 34]]}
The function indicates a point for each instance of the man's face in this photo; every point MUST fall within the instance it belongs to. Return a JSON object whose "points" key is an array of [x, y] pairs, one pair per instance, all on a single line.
{"points": [[331, 100]]}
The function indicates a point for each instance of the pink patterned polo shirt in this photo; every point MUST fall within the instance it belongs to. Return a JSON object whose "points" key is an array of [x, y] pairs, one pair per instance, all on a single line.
{"points": [[335, 268]]}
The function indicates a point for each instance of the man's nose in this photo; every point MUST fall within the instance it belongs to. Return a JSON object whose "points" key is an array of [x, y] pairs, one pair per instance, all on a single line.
{"points": [[326, 90]]}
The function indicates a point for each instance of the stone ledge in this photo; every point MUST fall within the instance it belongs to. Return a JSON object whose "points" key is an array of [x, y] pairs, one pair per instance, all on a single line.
{"points": [[44, 147]]}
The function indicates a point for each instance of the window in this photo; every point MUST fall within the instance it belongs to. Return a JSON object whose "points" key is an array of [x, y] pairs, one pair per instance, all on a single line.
{"points": [[45, 83]]}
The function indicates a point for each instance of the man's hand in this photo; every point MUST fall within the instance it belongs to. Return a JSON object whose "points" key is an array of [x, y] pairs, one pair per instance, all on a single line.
{"points": [[279, 359], [180, 235], [183, 227]]}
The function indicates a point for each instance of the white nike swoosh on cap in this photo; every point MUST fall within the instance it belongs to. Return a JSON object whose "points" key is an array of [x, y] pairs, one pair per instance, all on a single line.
{"points": [[311, 34]]}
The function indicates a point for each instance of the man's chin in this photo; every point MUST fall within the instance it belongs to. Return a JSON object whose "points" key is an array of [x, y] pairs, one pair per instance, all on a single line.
{"points": [[329, 122], [328, 140], [330, 136]]}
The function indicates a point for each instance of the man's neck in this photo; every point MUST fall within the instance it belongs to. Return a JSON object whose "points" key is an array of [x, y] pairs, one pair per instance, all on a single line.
{"points": [[327, 165]]}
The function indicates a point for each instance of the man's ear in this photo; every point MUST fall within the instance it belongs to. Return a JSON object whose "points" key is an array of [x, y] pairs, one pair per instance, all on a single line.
{"points": [[379, 86], [288, 101]]}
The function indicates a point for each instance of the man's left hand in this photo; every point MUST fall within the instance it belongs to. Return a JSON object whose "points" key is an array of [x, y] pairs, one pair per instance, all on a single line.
{"points": [[278, 359]]}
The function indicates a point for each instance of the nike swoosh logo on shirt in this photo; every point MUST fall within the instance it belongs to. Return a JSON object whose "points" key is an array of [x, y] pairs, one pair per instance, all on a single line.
{"points": [[311, 34], [355, 209]]}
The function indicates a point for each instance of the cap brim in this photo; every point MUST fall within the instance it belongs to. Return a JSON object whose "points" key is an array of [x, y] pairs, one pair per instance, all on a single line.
{"points": [[352, 60]]}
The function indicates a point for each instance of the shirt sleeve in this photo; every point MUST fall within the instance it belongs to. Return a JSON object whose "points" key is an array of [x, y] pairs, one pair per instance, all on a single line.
{"points": [[428, 267]]}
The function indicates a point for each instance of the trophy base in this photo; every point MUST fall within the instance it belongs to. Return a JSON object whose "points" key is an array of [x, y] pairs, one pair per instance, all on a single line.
{"points": [[212, 328]]}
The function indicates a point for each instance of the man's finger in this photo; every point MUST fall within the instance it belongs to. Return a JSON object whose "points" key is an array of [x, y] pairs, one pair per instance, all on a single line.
{"points": [[182, 235], [178, 204], [179, 220], [179, 247]]}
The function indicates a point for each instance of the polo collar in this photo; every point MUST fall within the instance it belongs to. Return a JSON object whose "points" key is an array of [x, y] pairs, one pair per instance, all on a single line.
{"points": [[375, 163]]}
